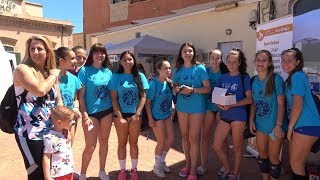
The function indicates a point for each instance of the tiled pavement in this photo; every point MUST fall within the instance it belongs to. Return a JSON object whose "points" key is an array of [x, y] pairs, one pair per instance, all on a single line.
{"points": [[12, 167]]}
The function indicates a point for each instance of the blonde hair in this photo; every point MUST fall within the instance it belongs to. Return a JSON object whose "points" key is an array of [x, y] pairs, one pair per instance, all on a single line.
{"points": [[50, 61], [62, 113]]}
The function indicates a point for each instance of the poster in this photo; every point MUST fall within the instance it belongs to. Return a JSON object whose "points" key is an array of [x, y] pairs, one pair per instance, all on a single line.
{"points": [[276, 36]]}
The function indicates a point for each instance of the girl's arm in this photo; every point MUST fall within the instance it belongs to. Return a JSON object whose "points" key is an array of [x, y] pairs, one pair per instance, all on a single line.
{"points": [[83, 106], [141, 104], [115, 103], [59, 98], [245, 101], [23, 76], [149, 113], [203, 90], [46, 166], [281, 110], [251, 118], [295, 110], [76, 105]]}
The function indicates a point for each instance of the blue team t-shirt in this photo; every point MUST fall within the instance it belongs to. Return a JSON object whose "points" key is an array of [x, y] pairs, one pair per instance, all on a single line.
{"points": [[69, 85], [300, 86], [97, 94], [267, 106], [127, 89], [235, 86], [161, 97], [191, 76], [214, 79]]}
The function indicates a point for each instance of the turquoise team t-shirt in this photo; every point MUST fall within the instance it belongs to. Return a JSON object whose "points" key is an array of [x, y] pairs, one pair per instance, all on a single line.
{"points": [[214, 79], [300, 86], [235, 86], [161, 97], [267, 106], [69, 85], [192, 76], [97, 94], [127, 89]]}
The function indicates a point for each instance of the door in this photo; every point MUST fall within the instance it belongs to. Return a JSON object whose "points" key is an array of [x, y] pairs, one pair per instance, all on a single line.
{"points": [[226, 47]]}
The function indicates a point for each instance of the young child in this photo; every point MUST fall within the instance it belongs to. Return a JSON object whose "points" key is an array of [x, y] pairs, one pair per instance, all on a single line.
{"points": [[57, 153]]}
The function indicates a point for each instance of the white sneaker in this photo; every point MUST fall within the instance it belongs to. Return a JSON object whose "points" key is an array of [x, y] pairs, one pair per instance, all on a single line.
{"points": [[221, 171], [200, 170], [158, 171], [103, 175], [82, 177], [165, 168]]}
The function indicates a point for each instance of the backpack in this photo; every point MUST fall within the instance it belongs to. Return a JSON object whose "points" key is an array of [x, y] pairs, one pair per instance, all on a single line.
{"points": [[9, 110]]}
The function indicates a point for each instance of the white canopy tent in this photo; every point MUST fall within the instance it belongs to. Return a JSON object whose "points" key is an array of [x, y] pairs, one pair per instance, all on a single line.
{"points": [[146, 45]]}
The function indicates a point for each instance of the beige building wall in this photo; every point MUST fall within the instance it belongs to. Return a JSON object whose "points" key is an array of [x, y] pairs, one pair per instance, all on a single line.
{"points": [[78, 39], [34, 9], [204, 30], [19, 20]]}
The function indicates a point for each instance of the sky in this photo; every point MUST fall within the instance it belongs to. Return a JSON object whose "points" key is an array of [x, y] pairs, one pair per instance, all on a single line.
{"points": [[63, 10]]}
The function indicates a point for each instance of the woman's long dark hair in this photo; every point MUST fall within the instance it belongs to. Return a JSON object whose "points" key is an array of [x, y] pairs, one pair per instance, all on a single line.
{"points": [[98, 48], [270, 82], [180, 61], [298, 56], [134, 72], [61, 52], [223, 67], [242, 60]]}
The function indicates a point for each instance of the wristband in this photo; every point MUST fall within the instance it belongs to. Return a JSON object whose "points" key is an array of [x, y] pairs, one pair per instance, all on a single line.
{"points": [[192, 90], [279, 124]]}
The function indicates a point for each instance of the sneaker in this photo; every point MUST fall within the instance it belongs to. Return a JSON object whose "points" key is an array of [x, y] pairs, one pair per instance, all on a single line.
{"points": [[122, 175], [234, 177], [82, 177], [184, 172], [192, 177], [224, 176], [103, 175], [166, 169], [221, 171], [134, 174], [200, 170], [158, 171], [76, 176]]}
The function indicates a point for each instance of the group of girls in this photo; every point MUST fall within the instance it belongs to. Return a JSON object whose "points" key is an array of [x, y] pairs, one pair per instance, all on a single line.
{"points": [[270, 97], [99, 98]]}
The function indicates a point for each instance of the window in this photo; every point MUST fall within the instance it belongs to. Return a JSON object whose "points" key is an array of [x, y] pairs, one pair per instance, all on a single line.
{"points": [[116, 1], [8, 48], [304, 6], [135, 1]]}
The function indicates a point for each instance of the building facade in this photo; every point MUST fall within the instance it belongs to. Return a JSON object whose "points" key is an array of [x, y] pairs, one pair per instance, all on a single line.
{"points": [[208, 24], [19, 20]]}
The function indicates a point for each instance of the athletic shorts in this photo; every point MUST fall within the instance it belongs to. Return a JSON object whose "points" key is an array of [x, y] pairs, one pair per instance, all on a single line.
{"points": [[308, 130], [101, 114]]}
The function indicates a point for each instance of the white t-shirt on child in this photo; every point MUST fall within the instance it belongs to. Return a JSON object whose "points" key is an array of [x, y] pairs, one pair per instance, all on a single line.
{"points": [[56, 144]]}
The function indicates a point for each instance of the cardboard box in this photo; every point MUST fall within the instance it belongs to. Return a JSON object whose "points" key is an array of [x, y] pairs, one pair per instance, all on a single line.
{"points": [[219, 97]]}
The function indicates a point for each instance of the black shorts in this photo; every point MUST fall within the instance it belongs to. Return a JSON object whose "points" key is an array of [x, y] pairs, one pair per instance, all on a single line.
{"points": [[126, 115], [101, 114], [229, 121]]}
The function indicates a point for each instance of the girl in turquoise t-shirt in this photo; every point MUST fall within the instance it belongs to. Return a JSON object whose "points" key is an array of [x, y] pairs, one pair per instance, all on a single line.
{"points": [[128, 94], [159, 110], [304, 120], [95, 106], [216, 69], [191, 82], [233, 117], [69, 84], [267, 114]]}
